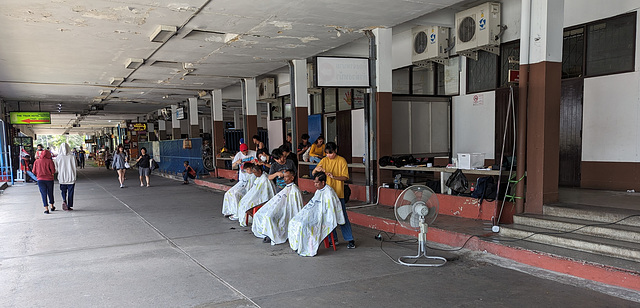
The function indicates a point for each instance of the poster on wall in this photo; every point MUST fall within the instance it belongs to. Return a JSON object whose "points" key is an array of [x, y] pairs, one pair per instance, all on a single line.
{"points": [[342, 72]]}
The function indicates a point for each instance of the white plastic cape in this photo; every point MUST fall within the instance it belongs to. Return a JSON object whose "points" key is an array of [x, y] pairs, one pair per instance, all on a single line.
{"points": [[261, 191], [232, 196], [315, 221], [272, 219]]}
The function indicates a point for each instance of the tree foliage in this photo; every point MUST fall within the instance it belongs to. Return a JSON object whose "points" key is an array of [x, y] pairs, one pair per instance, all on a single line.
{"points": [[54, 141]]}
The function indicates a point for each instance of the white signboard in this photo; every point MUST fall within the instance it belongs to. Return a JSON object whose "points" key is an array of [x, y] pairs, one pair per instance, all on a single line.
{"points": [[342, 72], [180, 113]]}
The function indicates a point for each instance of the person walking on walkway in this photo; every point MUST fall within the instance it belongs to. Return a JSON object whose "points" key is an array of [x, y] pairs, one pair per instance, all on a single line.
{"points": [[66, 166], [144, 166], [120, 164], [44, 169], [82, 157]]}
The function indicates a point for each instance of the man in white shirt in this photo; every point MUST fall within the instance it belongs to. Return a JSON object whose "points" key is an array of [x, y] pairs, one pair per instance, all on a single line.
{"points": [[233, 196], [261, 191], [271, 221], [242, 157], [317, 219]]}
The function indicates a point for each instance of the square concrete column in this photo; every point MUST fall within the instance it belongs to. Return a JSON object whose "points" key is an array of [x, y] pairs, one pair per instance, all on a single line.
{"points": [[217, 124], [543, 70], [383, 99], [162, 130], [300, 99], [194, 127], [176, 132], [250, 109]]}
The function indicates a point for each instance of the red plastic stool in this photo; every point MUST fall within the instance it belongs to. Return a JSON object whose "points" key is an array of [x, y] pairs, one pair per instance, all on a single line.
{"points": [[252, 211], [326, 241]]}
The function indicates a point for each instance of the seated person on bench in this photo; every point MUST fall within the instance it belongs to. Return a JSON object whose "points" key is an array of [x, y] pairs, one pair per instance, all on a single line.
{"points": [[271, 221], [261, 191], [232, 196], [317, 219]]}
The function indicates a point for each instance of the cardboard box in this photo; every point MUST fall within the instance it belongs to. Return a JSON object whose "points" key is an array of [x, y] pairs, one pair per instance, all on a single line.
{"points": [[470, 160]]}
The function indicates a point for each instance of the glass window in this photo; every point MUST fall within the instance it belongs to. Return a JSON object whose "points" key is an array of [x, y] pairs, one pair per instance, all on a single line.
{"points": [[276, 110], [611, 45], [287, 106], [482, 75], [345, 101], [452, 77], [424, 80], [330, 100], [508, 51], [359, 95], [400, 81], [316, 101], [572, 53]]}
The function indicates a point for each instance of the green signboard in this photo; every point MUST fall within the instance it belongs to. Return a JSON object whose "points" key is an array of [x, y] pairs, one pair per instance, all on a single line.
{"points": [[30, 117]]}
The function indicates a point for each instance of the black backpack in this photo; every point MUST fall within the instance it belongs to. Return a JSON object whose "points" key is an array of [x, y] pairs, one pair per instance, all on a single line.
{"points": [[486, 189]]}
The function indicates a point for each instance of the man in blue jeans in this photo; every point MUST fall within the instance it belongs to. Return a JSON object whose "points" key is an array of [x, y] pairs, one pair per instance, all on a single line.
{"points": [[337, 171]]}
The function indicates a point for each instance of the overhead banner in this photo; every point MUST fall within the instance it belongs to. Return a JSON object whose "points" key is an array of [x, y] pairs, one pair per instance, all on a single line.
{"points": [[342, 72], [30, 117]]}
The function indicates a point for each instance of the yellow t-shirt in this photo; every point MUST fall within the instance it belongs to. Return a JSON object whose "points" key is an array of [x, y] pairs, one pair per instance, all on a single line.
{"points": [[337, 167], [317, 151]]}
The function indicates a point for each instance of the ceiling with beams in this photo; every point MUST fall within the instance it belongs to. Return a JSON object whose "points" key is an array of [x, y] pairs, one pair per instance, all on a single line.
{"points": [[66, 52]]}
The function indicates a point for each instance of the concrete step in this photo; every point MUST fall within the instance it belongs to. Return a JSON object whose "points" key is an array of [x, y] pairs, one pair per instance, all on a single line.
{"points": [[594, 213], [607, 247], [611, 231]]}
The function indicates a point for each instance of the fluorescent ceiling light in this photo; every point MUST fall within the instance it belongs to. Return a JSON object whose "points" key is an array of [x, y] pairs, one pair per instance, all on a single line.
{"points": [[133, 63], [163, 33], [116, 81], [105, 92]]}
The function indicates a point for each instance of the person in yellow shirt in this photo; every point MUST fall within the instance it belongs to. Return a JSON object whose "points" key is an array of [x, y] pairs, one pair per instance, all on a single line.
{"points": [[337, 171], [317, 150]]}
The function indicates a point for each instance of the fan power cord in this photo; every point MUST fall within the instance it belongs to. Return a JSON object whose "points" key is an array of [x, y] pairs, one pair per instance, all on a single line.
{"points": [[570, 231]]}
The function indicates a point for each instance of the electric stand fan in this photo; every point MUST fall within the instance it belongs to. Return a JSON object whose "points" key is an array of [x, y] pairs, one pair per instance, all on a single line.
{"points": [[416, 208]]}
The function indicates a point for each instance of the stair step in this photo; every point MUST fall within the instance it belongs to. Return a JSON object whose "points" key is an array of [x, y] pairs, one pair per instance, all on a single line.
{"points": [[594, 213], [614, 232], [602, 246]]}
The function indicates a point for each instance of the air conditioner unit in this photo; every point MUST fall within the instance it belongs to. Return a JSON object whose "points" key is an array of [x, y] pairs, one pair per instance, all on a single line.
{"points": [[267, 88], [430, 43], [478, 28]]}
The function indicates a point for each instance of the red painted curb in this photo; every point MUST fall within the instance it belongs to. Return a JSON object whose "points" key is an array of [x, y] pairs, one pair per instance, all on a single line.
{"points": [[590, 271]]}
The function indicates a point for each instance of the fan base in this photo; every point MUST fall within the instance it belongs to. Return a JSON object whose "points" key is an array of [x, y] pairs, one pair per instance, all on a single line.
{"points": [[440, 261]]}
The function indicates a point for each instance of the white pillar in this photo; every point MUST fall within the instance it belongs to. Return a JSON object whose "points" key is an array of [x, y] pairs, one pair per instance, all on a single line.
{"points": [[250, 108], [194, 128], [175, 123]]}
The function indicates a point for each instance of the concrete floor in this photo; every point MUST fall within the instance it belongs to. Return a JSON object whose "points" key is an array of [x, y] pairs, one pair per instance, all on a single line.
{"points": [[169, 246]]}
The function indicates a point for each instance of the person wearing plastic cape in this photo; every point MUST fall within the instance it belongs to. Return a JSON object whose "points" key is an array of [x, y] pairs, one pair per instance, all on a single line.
{"points": [[317, 219], [232, 196], [261, 191], [271, 221], [242, 157]]}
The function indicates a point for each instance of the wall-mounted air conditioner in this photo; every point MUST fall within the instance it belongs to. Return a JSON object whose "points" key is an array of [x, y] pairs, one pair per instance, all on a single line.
{"points": [[478, 28], [266, 88], [430, 43]]}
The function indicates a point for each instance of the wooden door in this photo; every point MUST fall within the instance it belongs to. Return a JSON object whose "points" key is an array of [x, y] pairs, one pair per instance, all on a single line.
{"points": [[570, 132], [344, 134]]}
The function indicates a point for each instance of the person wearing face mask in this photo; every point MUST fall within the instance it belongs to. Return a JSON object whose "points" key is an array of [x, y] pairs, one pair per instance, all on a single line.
{"points": [[278, 167], [265, 160]]}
